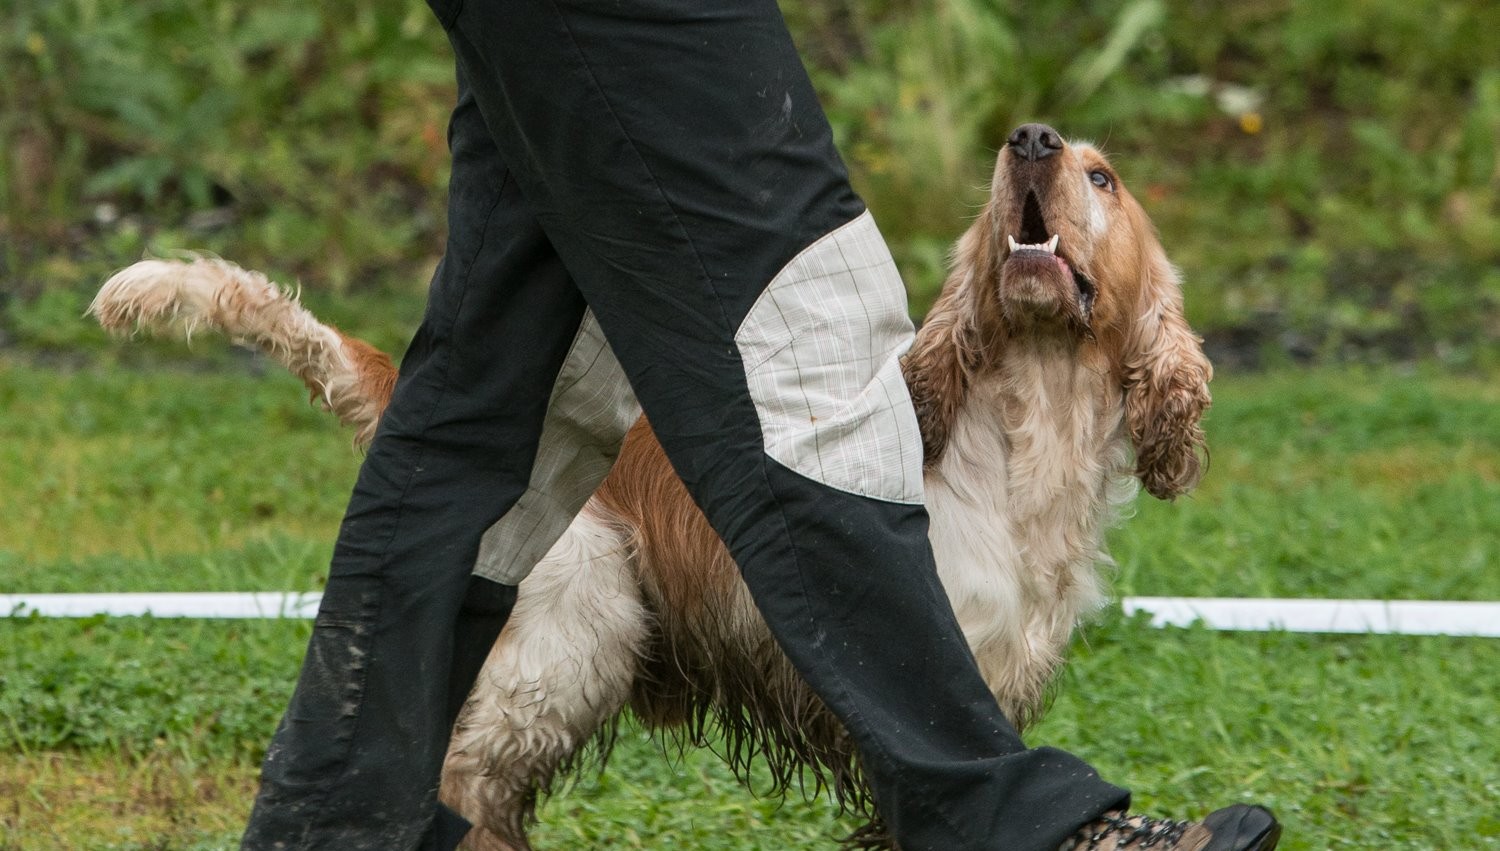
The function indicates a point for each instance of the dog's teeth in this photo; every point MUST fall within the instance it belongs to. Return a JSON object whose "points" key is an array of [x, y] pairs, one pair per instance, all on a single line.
{"points": [[1050, 246]]}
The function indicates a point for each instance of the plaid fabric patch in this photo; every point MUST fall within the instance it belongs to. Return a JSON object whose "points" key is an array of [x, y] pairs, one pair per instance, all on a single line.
{"points": [[592, 407], [822, 349]]}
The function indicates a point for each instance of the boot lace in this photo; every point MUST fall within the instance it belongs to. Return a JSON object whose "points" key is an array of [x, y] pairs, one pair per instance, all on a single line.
{"points": [[1127, 832]]}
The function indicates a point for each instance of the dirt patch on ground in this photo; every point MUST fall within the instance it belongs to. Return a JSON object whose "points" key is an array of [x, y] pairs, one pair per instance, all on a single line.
{"points": [[68, 800]]}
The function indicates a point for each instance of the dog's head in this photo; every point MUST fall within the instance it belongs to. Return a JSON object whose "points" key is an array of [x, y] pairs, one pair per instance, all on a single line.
{"points": [[1062, 251]]}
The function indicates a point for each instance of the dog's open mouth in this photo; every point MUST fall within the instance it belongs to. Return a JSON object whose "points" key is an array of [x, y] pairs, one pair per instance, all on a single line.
{"points": [[1035, 247]]}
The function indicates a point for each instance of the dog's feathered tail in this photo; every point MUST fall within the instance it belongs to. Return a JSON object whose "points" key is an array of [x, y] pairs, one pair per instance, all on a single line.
{"points": [[348, 376]]}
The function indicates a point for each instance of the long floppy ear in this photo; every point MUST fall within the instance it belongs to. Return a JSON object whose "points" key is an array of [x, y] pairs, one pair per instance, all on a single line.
{"points": [[948, 348], [1165, 375]]}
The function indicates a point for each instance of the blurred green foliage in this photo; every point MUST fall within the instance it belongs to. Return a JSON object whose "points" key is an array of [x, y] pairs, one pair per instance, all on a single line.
{"points": [[309, 138], [1327, 175]]}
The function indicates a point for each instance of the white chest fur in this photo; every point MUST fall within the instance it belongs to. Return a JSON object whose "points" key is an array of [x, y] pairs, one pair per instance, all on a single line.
{"points": [[1035, 470]]}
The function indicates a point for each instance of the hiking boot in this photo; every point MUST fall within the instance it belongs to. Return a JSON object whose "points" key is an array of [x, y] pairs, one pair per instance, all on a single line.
{"points": [[1236, 828]]}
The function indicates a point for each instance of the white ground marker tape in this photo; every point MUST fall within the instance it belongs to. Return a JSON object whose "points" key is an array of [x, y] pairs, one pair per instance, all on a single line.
{"points": [[260, 604], [1387, 617], [1396, 617]]}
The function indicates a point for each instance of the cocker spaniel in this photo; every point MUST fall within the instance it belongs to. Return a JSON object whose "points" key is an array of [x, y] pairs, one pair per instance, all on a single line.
{"points": [[1055, 369]]}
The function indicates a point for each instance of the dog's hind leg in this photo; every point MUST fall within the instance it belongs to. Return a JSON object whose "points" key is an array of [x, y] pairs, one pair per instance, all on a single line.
{"points": [[560, 671]]}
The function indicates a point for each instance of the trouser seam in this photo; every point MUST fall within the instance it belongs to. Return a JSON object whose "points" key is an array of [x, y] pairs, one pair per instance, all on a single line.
{"points": [[446, 353], [833, 674], [374, 616], [645, 166]]}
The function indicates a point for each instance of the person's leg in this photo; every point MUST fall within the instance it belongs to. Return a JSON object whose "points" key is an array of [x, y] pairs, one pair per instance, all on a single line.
{"points": [[507, 399], [676, 156]]}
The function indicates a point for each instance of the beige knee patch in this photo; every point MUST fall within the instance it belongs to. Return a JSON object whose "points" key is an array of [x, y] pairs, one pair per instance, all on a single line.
{"points": [[822, 349]]}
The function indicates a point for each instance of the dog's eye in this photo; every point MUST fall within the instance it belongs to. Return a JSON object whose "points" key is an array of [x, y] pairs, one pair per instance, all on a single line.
{"points": [[1102, 180]]}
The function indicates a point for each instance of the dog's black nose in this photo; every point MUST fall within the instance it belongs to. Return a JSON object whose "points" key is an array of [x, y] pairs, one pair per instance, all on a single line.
{"points": [[1035, 141]]}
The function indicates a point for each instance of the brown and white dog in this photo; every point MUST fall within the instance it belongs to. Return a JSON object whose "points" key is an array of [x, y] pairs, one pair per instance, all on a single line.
{"points": [[1055, 364]]}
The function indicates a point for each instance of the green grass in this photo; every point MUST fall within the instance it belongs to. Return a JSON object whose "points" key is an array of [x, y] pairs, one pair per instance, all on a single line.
{"points": [[1333, 483], [144, 734], [1354, 740]]}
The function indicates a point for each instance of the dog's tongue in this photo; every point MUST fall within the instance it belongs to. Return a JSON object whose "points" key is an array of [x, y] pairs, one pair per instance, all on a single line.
{"points": [[1031, 254]]}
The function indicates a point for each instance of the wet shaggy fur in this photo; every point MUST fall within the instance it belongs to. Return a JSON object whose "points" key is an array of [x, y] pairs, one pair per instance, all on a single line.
{"points": [[349, 377], [1045, 385]]}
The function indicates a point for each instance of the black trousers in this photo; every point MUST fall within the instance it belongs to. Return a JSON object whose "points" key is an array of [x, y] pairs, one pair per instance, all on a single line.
{"points": [[658, 171]]}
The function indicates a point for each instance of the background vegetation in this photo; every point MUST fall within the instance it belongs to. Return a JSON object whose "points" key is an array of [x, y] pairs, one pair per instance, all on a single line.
{"points": [[1328, 176]]}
